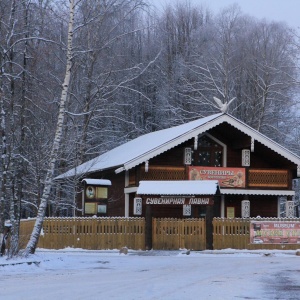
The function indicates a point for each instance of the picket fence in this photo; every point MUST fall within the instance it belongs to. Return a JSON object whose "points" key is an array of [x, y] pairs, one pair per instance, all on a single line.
{"points": [[87, 233], [173, 234], [170, 234]]}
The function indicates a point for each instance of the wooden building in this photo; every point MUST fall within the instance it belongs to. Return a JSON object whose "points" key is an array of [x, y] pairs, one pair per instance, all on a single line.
{"points": [[168, 173]]}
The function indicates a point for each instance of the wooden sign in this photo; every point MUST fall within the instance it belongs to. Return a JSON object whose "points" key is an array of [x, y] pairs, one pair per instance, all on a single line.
{"points": [[201, 200], [96, 192], [230, 212], [90, 208], [227, 177]]}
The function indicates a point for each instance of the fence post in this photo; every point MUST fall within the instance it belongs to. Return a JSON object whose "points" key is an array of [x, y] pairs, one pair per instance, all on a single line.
{"points": [[148, 228], [209, 227]]}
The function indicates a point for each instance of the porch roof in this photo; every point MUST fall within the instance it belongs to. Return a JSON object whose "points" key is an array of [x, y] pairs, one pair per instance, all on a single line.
{"points": [[92, 181], [257, 192], [178, 187]]}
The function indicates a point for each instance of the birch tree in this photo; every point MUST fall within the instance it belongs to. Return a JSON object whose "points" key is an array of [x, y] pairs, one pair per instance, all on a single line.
{"points": [[31, 246]]}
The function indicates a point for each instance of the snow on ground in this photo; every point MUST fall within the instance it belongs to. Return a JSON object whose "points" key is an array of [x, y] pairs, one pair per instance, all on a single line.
{"points": [[81, 274]]}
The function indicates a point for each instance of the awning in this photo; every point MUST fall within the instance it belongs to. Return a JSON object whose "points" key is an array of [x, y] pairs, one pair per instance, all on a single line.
{"points": [[96, 181], [257, 192], [178, 187]]}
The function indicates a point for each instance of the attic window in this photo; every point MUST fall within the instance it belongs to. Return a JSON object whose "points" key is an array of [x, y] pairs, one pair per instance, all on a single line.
{"points": [[209, 153]]}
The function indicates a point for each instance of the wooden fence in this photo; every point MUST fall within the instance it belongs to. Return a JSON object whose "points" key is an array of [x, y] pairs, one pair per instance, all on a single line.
{"points": [[115, 233], [235, 234], [26, 227], [174, 234], [87, 233]]}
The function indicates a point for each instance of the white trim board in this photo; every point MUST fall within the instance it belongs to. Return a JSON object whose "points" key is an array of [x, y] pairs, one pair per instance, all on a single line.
{"points": [[257, 192]]}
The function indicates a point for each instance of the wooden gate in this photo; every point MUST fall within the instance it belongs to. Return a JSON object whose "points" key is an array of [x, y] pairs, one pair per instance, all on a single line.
{"points": [[174, 234]]}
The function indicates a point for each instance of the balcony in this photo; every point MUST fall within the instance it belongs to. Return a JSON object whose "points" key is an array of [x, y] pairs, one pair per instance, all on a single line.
{"points": [[255, 178], [269, 178]]}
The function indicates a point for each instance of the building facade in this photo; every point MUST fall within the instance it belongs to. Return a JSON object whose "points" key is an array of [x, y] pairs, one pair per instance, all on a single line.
{"points": [[169, 173]]}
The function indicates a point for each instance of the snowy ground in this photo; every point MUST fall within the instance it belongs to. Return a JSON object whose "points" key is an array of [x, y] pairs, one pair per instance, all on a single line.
{"points": [[79, 274]]}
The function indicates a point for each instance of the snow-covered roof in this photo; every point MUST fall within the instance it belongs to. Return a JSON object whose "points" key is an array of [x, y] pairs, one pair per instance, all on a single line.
{"points": [[140, 149], [178, 187], [152, 144], [96, 181]]}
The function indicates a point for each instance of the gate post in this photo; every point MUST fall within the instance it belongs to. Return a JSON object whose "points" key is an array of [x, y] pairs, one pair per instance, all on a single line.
{"points": [[209, 227], [148, 228]]}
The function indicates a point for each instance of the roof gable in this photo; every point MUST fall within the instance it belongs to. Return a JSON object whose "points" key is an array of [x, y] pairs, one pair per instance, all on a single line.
{"points": [[147, 146]]}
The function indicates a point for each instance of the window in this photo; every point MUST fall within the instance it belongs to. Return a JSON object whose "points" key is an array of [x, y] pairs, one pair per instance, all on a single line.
{"points": [[209, 153]]}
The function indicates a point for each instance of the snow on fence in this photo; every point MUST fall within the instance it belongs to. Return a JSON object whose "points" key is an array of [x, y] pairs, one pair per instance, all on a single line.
{"points": [[235, 234], [88, 233]]}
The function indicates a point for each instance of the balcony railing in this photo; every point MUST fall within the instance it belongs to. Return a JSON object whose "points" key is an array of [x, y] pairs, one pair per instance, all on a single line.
{"points": [[268, 178], [256, 178], [163, 173]]}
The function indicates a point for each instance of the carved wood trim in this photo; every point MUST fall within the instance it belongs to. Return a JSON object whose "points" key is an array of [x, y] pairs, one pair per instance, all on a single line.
{"points": [[163, 173], [268, 178]]}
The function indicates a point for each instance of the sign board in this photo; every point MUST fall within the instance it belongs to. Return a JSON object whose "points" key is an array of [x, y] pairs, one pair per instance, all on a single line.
{"points": [[102, 208], [204, 200], [230, 212], [90, 208], [90, 192], [274, 232], [227, 177], [95, 192], [95, 196]]}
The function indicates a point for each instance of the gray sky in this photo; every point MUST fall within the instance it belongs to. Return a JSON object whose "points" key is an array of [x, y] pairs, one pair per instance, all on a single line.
{"points": [[278, 10]]}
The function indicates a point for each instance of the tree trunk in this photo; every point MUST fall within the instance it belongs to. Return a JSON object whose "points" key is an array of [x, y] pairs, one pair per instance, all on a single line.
{"points": [[34, 238]]}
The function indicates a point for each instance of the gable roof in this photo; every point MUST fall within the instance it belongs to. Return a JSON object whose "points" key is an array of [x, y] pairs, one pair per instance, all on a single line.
{"points": [[147, 146]]}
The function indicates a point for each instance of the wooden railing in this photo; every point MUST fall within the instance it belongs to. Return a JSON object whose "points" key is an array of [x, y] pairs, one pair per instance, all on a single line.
{"points": [[163, 173], [235, 234], [256, 178], [88, 233], [174, 234], [268, 178]]}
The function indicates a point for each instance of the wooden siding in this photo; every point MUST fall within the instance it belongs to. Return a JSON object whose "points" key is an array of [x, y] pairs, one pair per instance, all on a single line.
{"points": [[262, 157], [264, 206]]}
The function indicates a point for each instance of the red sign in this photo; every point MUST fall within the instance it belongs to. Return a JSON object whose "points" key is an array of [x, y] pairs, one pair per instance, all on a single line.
{"points": [[227, 177], [272, 232]]}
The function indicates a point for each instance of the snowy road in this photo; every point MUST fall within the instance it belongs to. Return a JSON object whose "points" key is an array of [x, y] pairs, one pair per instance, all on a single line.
{"points": [[152, 275]]}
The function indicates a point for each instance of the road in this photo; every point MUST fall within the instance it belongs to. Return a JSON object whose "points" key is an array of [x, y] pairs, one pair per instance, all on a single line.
{"points": [[152, 275]]}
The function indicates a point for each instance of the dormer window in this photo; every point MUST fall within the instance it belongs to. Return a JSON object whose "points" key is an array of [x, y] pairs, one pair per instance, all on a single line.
{"points": [[209, 153]]}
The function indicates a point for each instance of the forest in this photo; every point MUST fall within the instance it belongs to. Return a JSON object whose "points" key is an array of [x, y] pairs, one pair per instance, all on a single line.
{"points": [[131, 69]]}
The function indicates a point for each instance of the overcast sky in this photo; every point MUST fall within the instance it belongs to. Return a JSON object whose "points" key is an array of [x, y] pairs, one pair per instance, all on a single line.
{"points": [[278, 10]]}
